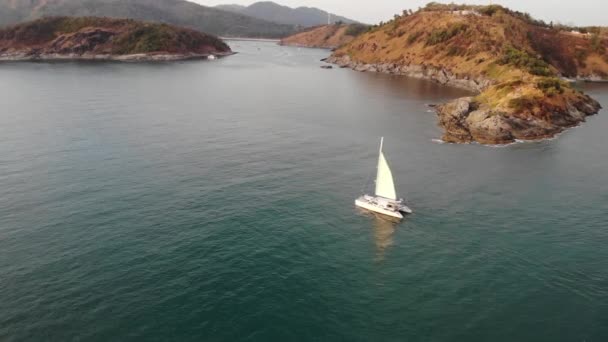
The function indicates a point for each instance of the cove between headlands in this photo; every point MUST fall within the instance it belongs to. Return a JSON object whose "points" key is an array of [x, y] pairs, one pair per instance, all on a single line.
{"points": [[520, 68], [93, 38]]}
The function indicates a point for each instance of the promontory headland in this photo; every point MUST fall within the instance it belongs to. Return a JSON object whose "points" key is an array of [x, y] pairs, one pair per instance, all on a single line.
{"points": [[519, 67], [93, 38], [325, 36]]}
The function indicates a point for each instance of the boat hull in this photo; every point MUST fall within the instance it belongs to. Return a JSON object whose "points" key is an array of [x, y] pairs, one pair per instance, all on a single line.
{"points": [[405, 209], [365, 204]]}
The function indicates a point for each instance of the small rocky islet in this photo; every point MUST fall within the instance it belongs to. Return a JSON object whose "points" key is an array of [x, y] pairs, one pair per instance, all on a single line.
{"points": [[520, 68], [94, 38]]}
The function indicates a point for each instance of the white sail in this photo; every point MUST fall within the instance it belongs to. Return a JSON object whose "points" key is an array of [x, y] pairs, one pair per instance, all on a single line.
{"points": [[385, 186]]}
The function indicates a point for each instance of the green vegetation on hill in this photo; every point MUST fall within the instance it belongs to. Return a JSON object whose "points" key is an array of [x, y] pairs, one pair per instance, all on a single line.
{"points": [[441, 35], [104, 36], [521, 59], [176, 12], [356, 29]]}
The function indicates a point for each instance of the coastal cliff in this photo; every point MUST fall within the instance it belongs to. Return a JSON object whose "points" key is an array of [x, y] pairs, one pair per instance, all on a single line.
{"points": [[92, 38], [325, 36], [518, 66]]}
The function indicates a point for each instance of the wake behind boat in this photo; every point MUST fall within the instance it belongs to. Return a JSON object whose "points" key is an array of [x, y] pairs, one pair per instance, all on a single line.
{"points": [[385, 202]]}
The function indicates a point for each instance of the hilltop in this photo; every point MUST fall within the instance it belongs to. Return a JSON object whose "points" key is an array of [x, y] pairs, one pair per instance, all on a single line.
{"points": [[94, 38], [300, 16], [515, 63], [325, 36], [176, 12]]}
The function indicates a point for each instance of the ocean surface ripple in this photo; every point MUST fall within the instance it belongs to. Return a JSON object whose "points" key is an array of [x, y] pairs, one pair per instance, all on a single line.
{"points": [[214, 201]]}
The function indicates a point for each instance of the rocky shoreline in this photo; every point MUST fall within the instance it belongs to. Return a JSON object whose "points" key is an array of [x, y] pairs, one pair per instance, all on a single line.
{"points": [[462, 120], [140, 57], [441, 76], [308, 46]]}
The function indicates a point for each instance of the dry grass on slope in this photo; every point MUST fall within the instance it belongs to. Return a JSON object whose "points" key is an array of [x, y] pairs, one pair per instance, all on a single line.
{"points": [[326, 36], [509, 48]]}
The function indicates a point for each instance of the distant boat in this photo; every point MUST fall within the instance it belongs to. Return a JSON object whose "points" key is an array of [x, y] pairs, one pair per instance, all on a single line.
{"points": [[211, 57], [385, 200]]}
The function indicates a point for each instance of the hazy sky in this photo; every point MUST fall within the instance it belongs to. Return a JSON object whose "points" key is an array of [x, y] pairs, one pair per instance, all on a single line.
{"points": [[579, 12]]}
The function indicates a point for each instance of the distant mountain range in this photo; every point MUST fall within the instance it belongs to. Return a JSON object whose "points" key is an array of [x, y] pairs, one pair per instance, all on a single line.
{"points": [[177, 12], [301, 16], [262, 19]]}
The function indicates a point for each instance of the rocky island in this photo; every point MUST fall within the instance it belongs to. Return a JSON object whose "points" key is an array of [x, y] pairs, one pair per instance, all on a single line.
{"points": [[520, 68], [325, 36], [93, 38]]}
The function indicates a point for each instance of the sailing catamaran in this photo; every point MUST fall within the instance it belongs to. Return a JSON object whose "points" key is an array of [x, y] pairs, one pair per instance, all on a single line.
{"points": [[385, 202]]}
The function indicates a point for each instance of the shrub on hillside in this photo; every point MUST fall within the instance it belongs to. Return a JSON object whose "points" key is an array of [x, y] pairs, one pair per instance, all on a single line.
{"points": [[436, 7], [551, 86], [440, 36], [521, 59], [490, 10], [456, 51], [596, 44], [356, 29], [414, 37]]}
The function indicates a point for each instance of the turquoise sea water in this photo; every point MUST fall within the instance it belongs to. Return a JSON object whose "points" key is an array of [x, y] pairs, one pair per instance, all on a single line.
{"points": [[213, 201]]}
